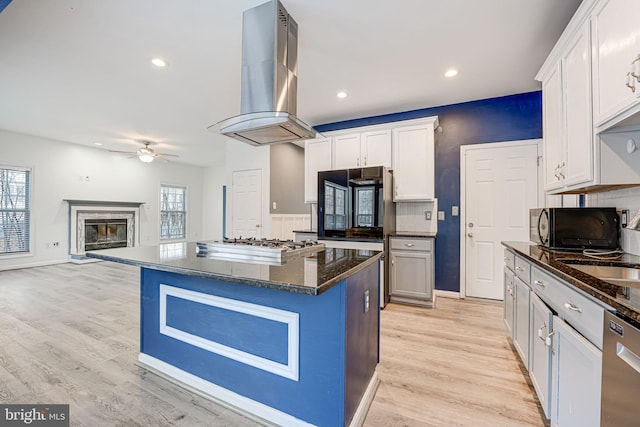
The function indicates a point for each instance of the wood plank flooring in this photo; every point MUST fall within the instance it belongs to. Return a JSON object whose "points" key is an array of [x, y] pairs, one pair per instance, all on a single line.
{"points": [[70, 334]]}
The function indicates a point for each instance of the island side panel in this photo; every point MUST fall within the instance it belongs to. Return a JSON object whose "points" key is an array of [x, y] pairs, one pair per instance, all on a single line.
{"points": [[201, 318], [362, 335]]}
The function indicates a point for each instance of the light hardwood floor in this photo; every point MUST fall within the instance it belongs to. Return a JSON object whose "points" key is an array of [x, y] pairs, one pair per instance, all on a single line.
{"points": [[69, 334]]}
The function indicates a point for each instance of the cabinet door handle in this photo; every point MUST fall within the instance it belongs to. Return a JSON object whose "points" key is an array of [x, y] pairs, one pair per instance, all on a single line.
{"points": [[571, 306], [548, 342], [393, 262], [519, 268], [539, 283], [541, 335], [357, 161], [365, 160]]}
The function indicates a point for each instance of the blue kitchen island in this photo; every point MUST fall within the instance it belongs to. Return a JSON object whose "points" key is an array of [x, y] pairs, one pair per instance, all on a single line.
{"points": [[295, 343]]}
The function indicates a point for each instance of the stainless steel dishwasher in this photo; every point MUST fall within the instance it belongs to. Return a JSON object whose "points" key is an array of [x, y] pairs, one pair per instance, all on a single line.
{"points": [[620, 373]]}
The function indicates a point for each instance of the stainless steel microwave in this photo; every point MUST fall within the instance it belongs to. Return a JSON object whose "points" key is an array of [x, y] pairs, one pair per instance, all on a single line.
{"points": [[575, 228]]}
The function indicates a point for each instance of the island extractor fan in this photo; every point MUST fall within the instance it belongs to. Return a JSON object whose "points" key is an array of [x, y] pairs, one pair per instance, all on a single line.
{"points": [[146, 154]]}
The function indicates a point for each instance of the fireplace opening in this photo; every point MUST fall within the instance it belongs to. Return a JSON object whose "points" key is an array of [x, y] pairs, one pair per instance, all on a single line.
{"points": [[105, 233]]}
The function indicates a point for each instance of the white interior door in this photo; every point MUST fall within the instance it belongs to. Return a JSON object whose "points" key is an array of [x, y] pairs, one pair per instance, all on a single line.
{"points": [[246, 206], [501, 185]]}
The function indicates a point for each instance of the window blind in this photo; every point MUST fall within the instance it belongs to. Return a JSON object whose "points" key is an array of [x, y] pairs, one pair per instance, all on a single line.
{"points": [[15, 210]]}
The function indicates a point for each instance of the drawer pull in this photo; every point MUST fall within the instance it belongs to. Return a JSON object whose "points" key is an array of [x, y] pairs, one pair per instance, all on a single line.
{"points": [[539, 283], [409, 245], [507, 259], [519, 268], [571, 306]]}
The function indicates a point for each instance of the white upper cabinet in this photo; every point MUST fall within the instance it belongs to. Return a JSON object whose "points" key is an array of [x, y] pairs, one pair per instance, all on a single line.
{"points": [[406, 147], [376, 148], [616, 42], [552, 120], [346, 151], [576, 64], [413, 151], [581, 97], [356, 150], [317, 157]]}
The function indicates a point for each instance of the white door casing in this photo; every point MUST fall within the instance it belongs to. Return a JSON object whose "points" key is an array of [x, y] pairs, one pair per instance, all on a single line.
{"points": [[246, 204], [499, 184]]}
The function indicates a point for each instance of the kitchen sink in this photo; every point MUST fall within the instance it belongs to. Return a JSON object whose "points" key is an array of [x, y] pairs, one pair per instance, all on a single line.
{"points": [[621, 276]]}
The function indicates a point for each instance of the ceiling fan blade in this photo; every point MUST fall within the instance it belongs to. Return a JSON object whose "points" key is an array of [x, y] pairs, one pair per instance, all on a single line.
{"points": [[123, 152], [166, 155]]}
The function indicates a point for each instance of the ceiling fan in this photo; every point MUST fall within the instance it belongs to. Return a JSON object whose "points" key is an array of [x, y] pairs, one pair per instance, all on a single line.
{"points": [[146, 154]]}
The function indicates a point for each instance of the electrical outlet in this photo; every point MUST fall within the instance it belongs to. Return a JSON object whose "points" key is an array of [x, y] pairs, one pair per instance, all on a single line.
{"points": [[455, 211], [427, 215], [366, 301], [440, 215], [274, 206], [56, 244]]}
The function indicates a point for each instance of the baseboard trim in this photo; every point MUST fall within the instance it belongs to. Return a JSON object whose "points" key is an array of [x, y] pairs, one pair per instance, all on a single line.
{"points": [[227, 398], [33, 264], [447, 294], [363, 408]]}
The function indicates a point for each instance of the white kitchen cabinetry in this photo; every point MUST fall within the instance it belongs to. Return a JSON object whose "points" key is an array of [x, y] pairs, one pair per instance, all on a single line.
{"points": [[412, 272], [317, 157], [376, 148], [577, 375], [346, 151], [576, 64], [540, 351], [509, 300], [521, 324], [584, 93], [563, 353], [568, 128], [364, 149], [413, 151], [552, 120], [616, 41]]}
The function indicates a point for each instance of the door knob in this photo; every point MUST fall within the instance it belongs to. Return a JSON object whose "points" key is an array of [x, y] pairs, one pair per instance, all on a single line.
{"points": [[257, 225], [470, 234]]}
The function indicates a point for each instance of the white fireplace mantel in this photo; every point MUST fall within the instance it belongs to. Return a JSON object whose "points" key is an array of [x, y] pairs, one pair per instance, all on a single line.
{"points": [[81, 210]]}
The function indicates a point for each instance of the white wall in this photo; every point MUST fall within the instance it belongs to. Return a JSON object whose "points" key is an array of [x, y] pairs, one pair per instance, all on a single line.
{"points": [[57, 170], [241, 157]]}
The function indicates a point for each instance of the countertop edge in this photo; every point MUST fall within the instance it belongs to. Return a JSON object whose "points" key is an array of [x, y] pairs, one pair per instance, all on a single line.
{"points": [[287, 287], [628, 312]]}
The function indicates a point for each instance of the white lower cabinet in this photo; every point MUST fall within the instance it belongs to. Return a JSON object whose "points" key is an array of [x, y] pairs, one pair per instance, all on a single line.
{"points": [[577, 376], [540, 351], [509, 300], [557, 332], [412, 274], [521, 326]]}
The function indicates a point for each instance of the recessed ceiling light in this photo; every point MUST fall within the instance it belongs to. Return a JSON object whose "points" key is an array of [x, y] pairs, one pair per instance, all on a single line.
{"points": [[342, 95], [450, 73], [159, 62], [98, 143]]}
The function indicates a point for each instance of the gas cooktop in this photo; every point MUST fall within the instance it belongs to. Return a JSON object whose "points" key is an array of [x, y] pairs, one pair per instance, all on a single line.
{"points": [[252, 249]]}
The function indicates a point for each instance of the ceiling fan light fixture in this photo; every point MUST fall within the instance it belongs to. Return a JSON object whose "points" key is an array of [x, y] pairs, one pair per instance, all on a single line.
{"points": [[146, 158]]}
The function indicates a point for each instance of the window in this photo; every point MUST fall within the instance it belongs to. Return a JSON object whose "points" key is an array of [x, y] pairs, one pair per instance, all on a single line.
{"points": [[15, 210], [364, 206], [173, 212], [334, 206]]}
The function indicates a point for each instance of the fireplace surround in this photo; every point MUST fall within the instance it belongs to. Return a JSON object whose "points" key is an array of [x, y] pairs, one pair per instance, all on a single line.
{"points": [[101, 224]]}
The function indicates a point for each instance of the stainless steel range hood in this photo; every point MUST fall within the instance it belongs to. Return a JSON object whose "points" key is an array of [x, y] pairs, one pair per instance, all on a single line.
{"points": [[269, 79]]}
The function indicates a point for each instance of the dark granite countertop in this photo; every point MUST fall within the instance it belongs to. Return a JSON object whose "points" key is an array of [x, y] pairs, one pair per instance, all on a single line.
{"points": [[416, 234], [310, 274], [552, 261]]}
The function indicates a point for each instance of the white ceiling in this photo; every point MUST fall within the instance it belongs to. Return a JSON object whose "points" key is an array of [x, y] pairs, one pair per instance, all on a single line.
{"points": [[79, 70]]}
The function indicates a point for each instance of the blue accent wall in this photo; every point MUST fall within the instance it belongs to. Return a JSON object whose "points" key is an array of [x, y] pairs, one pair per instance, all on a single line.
{"points": [[3, 4], [507, 118]]}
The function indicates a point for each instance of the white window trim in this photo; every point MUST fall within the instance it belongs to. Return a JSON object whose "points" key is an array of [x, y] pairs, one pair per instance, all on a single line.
{"points": [[30, 252], [186, 212]]}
